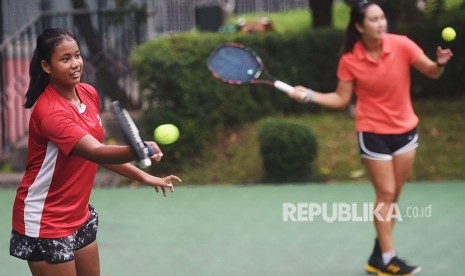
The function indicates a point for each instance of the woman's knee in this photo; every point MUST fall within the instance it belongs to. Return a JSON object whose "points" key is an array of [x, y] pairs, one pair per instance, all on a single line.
{"points": [[386, 195]]}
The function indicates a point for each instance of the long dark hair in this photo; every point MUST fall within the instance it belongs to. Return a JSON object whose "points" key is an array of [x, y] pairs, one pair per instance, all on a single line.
{"points": [[46, 44], [357, 15]]}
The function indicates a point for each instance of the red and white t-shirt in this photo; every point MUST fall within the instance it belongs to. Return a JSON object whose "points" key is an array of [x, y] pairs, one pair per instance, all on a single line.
{"points": [[382, 87], [52, 199]]}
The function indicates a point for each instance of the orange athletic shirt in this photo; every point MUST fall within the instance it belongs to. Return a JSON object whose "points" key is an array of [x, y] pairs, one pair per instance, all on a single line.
{"points": [[382, 87]]}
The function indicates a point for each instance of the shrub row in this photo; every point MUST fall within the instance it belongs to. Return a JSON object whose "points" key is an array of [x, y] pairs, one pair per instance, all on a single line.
{"points": [[180, 90]]}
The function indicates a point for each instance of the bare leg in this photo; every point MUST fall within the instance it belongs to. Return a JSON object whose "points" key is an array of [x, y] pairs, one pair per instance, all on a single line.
{"points": [[388, 178], [383, 178], [87, 260], [403, 165], [45, 269]]}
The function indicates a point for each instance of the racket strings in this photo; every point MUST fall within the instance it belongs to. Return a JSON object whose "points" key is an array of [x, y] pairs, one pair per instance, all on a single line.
{"points": [[235, 65]]}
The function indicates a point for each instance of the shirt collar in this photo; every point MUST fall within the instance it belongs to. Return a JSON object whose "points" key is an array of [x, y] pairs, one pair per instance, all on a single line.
{"points": [[360, 52]]}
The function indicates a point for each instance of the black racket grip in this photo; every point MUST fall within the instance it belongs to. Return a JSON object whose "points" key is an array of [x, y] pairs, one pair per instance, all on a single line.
{"points": [[150, 149]]}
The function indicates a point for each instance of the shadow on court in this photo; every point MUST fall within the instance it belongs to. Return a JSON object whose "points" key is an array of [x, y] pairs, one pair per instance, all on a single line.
{"points": [[231, 230]]}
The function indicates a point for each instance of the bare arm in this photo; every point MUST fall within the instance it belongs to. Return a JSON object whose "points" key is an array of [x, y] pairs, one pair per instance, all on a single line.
{"points": [[116, 158], [433, 69], [132, 172], [91, 149], [338, 99]]}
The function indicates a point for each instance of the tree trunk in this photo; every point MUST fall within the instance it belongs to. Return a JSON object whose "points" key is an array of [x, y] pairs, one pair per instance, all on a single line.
{"points": [[322, 12]]}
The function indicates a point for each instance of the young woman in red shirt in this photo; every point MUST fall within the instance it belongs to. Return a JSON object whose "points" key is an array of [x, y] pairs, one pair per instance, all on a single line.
{"points": [[54, 226]]}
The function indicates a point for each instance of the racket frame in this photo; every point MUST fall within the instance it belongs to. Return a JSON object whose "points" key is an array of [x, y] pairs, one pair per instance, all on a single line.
{"points": [[131, 134], [269, 79]]}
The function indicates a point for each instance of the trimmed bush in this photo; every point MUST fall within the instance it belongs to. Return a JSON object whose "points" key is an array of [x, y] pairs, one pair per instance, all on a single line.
{"points": [[288, 151]]}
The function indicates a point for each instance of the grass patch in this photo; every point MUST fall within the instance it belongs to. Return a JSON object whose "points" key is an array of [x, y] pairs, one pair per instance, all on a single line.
{"points": [[287, 21], [235, 157], [441, 154], [297, 20], [5, 166]]}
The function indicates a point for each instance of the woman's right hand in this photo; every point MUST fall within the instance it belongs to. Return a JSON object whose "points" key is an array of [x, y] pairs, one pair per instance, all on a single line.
{"points": [[443, 56], [300, 94], [158, 153]]}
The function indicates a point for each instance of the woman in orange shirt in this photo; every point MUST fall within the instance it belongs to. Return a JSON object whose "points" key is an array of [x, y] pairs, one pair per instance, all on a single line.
{"points": [[376, 66]]}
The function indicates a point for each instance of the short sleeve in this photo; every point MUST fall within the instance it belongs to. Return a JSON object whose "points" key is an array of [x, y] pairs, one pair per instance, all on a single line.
{"points": [[62, 130], [411, 49], [343, 70]]}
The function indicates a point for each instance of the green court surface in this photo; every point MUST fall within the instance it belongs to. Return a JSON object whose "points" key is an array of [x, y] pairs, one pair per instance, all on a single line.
{"points": [[233, 230]]}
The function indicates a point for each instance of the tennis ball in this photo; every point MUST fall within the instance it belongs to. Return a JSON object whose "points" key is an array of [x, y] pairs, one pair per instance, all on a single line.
{"points": [[448, 34], [166, 134]]}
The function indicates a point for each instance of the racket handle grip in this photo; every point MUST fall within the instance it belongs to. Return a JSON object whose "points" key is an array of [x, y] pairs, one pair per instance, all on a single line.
{"points": [[146, 162], [151, 152], [283, 86]]}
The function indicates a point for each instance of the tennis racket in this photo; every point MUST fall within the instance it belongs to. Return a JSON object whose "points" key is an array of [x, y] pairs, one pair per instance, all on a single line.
{"points": [[233, 63], [131, 135]]}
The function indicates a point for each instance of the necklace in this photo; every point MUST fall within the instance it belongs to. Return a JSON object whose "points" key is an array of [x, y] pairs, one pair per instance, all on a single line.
{"points": [[82, 107], [79, 104]]}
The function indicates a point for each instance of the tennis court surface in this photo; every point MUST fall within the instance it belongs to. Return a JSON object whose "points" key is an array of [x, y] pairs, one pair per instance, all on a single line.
{"points": [[234, 230]]}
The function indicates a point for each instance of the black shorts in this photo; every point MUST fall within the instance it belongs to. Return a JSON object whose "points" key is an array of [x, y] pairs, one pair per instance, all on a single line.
{"points": [[57, 250], [384, 146]]}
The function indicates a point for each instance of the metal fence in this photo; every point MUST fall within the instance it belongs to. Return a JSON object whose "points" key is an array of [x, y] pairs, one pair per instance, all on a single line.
{"points": [[106, 44], [105, 49], [169, 16]]}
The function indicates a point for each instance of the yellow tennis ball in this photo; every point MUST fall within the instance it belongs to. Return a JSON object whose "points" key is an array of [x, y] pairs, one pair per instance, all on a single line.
{"points": [[166, 134], [448, 34]]}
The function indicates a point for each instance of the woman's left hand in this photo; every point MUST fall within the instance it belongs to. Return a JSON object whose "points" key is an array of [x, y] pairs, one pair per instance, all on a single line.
{"points": [[163, 183]]}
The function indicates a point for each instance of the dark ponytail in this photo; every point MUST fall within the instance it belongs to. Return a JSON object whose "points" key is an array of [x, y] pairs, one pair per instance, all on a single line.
{"points": [[46, 44], [357, 15]]}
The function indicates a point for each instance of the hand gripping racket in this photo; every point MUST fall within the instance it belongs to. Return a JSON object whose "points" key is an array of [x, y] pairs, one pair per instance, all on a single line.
{"points": [[131, 135], [235, 64]]}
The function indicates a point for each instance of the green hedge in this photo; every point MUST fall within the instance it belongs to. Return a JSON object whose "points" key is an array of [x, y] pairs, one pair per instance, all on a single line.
{"points": [[288, 151], [180, 90]]}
